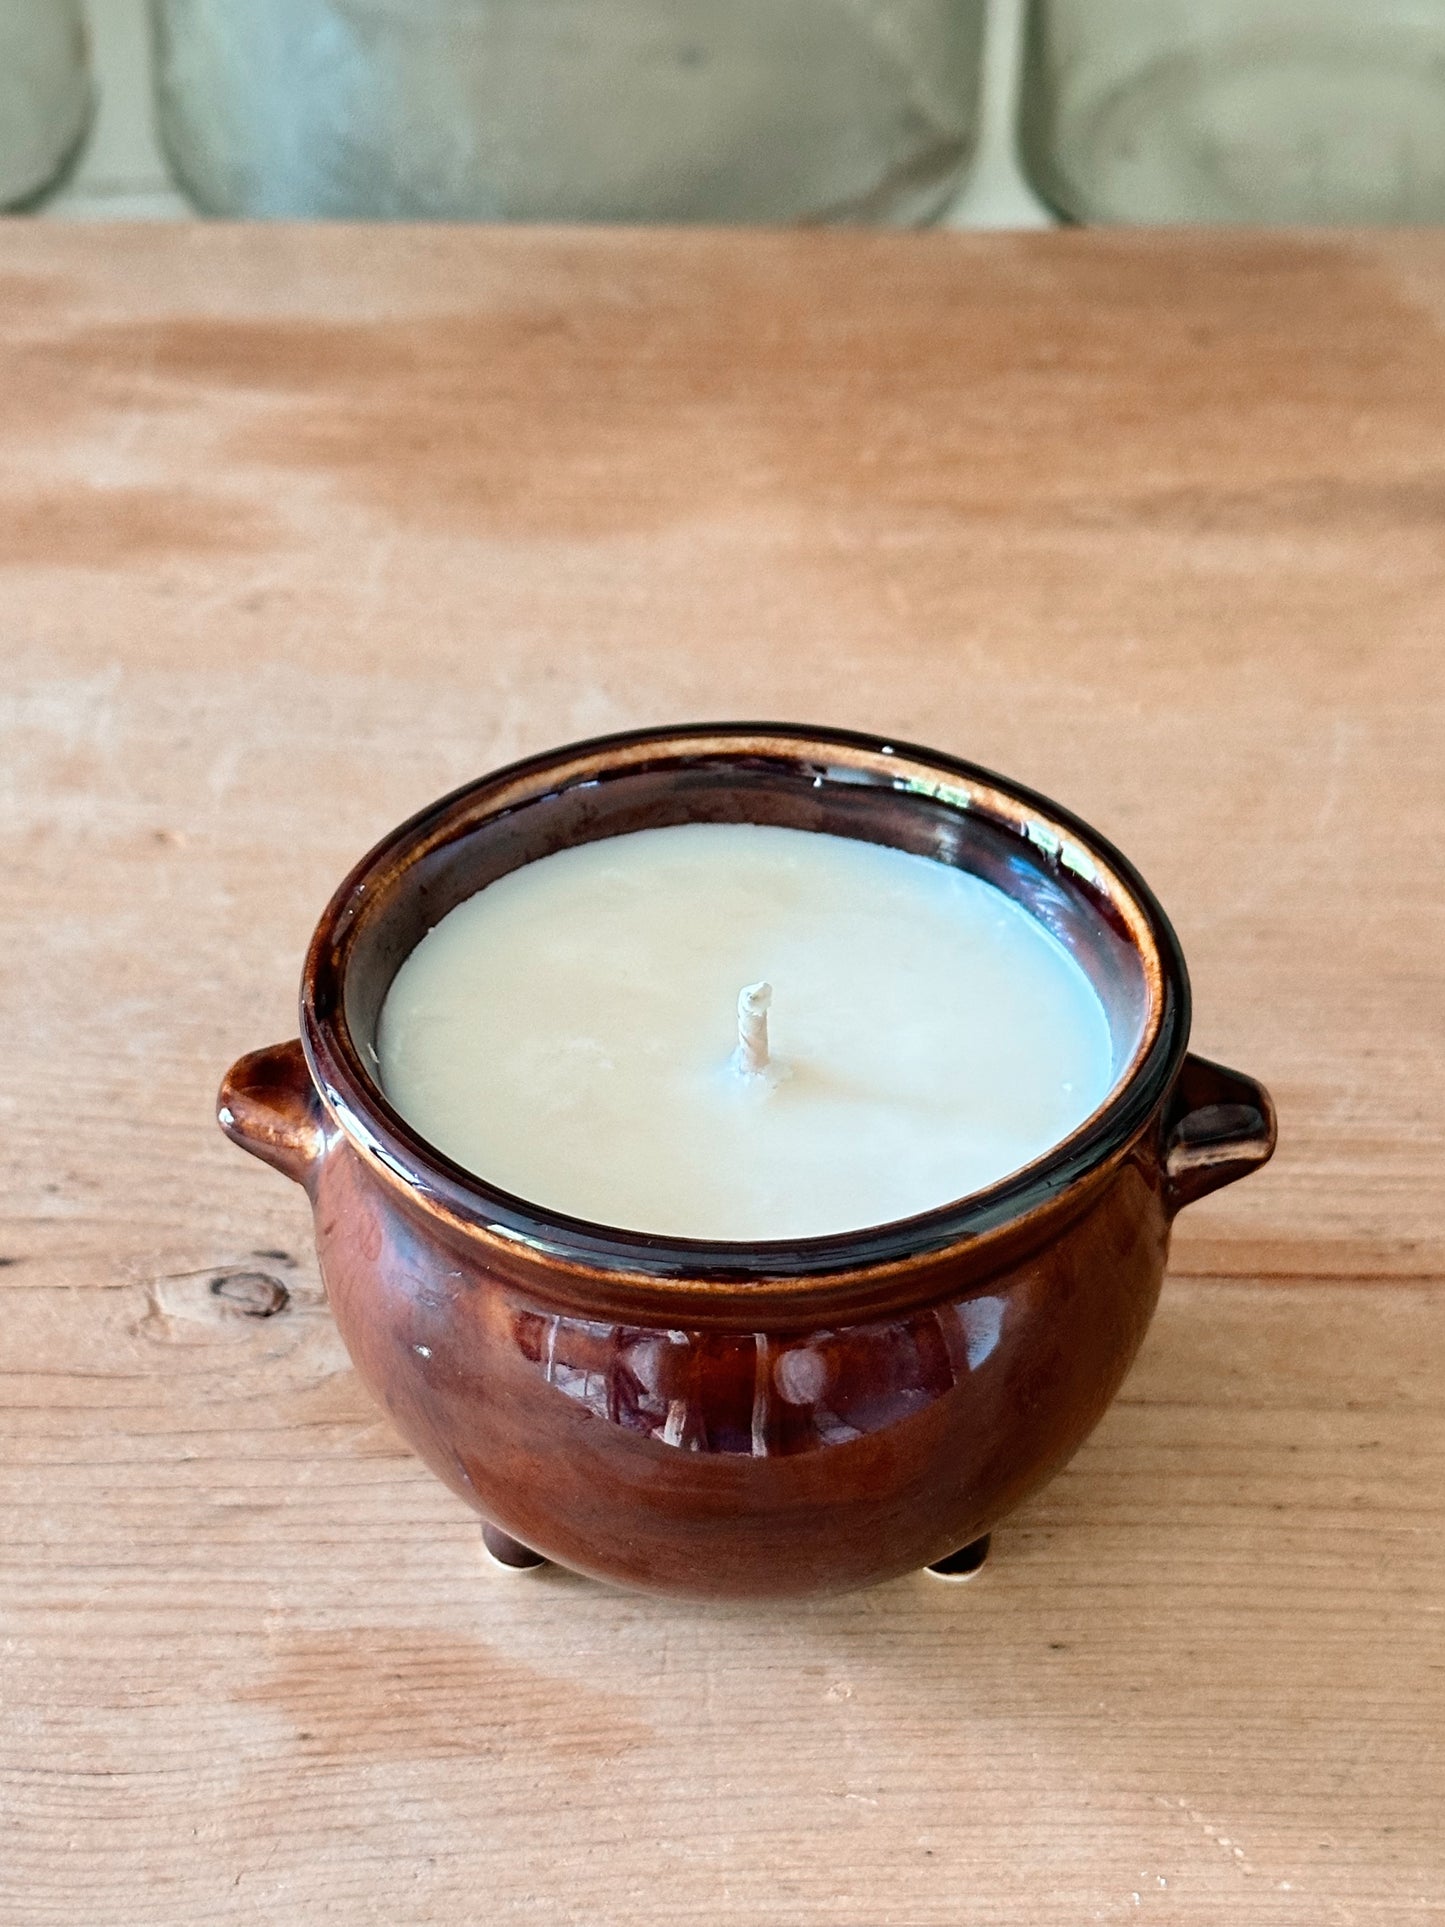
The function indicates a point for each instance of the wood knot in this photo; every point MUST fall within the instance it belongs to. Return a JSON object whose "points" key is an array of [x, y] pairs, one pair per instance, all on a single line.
{"points": [[255, 1294]]}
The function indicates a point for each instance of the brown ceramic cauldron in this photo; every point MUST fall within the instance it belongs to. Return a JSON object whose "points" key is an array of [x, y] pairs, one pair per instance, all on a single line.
{"points": [[712, 1419]]}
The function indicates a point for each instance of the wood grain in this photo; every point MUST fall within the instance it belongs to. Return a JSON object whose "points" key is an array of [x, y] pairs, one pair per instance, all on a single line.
{"points": [[298, 529]]}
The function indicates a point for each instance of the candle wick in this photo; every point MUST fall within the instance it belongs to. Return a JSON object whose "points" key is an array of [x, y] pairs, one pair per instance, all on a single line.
{"points": [[752, 1053]]}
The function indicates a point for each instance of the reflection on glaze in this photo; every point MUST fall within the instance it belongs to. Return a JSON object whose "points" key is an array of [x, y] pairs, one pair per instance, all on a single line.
{"points": [[750, 1395], [982, 1321]]}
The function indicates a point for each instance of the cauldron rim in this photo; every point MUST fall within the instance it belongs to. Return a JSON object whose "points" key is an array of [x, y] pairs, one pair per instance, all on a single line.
{"points": [[680, 1276]]}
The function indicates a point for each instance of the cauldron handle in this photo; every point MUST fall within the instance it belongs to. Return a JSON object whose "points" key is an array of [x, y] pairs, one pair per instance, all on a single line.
{"points": [[268, 1105], [1220, 1126]]}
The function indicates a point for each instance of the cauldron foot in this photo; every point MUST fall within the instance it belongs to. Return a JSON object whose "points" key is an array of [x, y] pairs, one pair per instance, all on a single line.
{"points": [[505, 1551], [967, 1563]]}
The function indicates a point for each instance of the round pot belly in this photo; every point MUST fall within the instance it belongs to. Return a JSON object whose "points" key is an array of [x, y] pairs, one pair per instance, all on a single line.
{"points": [[740, 1462]]}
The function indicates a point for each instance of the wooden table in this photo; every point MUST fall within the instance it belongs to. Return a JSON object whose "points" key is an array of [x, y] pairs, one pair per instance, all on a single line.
{"points": [[301, 528]]}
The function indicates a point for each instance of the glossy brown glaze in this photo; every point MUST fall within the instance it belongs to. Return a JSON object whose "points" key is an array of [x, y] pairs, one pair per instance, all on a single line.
{"points": [[711, 1420]]}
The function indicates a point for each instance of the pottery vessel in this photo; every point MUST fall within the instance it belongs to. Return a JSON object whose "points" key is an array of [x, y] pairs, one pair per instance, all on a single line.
{"points": [[707, 1419]]}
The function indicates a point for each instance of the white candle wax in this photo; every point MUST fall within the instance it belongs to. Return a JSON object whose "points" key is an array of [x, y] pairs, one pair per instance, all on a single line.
{"points": [[572, 1034]]}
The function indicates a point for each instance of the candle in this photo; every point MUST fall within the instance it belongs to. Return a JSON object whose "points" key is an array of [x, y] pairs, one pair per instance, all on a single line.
{"points": [[742, 1032]]}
